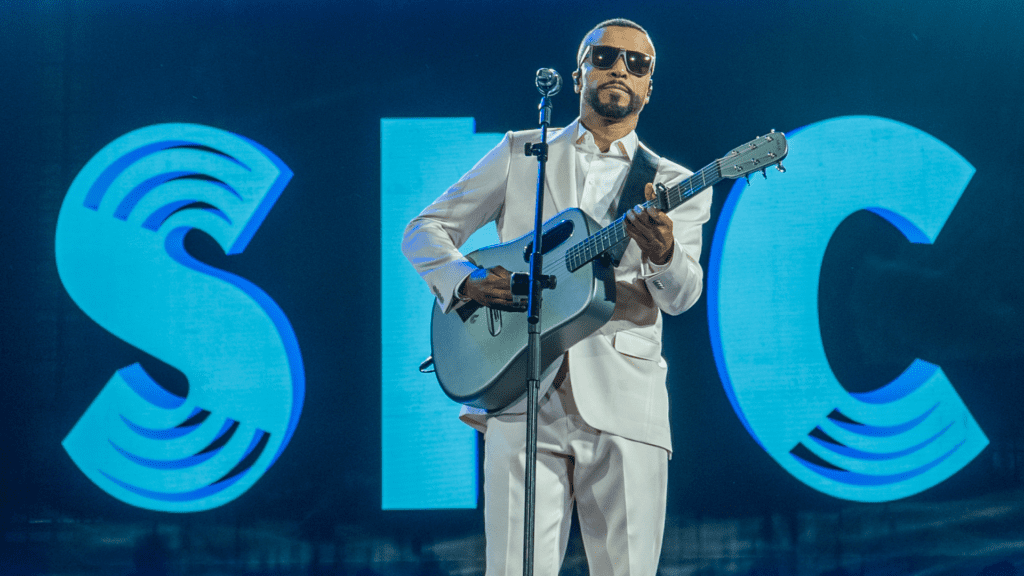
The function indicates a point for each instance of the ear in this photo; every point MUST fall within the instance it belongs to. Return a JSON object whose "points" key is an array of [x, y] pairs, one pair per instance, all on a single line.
{"points": [[650, 88], [576, 81]]}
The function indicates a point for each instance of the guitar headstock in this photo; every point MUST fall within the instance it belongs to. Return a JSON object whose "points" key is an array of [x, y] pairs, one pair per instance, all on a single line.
{"points": [[757, 155]]}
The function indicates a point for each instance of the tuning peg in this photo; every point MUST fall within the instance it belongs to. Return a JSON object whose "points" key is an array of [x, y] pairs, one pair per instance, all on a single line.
{"points": [[764, 172], [780, 167]]}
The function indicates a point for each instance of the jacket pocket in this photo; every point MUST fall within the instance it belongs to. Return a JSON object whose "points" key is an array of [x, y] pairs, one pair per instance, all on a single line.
{"points": [[637, 346]]}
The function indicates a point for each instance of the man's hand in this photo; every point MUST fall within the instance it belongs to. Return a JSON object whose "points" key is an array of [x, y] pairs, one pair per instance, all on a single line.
{"points": [[652, 230], [492, 288]]}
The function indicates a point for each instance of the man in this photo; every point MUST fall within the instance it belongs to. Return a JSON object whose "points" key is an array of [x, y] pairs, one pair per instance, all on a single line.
{"points": [[603, 436]]}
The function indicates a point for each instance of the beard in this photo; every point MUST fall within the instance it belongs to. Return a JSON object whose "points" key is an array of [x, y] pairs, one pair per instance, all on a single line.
{"points": [[614, 108]]}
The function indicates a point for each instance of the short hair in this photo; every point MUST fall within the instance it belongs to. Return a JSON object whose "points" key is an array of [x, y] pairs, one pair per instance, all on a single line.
{"points": [[612, 22]]}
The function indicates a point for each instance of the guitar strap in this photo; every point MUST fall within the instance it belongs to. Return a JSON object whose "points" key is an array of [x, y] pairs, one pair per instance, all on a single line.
{"points": [[641, 171]]}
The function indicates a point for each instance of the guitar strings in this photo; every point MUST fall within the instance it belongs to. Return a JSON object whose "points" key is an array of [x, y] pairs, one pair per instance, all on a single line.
{"points": [[597, 243], [594, 245], [609, 236]]}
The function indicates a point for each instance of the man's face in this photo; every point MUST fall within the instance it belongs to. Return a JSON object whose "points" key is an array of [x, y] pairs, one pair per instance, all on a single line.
{"points": [[615, 93]]}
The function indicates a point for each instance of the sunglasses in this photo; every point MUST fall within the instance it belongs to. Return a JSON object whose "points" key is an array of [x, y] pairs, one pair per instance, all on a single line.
{"points": [[604, 57]]}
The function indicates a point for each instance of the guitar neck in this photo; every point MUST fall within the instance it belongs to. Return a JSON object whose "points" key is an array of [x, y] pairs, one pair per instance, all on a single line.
{"points": [[609, 236]]}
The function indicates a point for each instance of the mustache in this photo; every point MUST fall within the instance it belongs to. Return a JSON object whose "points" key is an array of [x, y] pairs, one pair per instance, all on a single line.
{"points": [[618, 85]]}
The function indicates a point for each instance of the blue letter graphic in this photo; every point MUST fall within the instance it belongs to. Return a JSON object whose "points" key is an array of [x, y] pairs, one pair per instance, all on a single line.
{"points": [[898, 440], [120, 255]]}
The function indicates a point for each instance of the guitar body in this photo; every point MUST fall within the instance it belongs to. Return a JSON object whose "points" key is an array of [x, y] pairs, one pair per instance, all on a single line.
{"points": [[480, 353]]}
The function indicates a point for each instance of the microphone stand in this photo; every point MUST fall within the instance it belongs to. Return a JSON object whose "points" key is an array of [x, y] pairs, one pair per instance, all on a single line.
{"points": [[537, 282]]}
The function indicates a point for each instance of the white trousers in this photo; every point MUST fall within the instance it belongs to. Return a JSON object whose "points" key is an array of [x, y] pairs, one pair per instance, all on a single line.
{"points": [[619, 487]]}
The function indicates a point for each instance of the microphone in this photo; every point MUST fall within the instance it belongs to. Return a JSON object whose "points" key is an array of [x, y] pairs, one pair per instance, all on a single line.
{"points": [[548, 81]]}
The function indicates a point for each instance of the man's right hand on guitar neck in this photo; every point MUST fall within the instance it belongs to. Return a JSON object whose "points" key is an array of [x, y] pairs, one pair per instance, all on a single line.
{"points": [[491, 288]]}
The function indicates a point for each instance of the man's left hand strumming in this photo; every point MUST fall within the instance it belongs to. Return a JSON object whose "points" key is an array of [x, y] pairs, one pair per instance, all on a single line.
{"points": [[652, 230]]}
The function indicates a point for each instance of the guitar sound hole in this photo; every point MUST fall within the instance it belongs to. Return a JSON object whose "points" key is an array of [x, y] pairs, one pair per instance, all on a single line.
{"points": [[552, 239]]}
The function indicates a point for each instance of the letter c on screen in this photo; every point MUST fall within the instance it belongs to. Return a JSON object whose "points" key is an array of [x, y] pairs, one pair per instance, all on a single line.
{"points": [[890, 443]]}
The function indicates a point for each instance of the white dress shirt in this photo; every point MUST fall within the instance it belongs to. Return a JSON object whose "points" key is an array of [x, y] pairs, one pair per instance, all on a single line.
{"points": [[601, 175]]}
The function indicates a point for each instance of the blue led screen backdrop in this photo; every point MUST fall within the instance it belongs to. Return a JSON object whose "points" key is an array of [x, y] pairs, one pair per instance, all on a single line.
{"points": [[891, 244]]}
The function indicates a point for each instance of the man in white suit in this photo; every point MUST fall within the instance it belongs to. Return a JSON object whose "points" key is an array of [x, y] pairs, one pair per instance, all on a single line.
{"points": [[603, 436]]}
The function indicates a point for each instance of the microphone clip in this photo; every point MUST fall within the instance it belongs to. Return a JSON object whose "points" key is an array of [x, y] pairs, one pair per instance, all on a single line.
{"points": [[540, 150]]}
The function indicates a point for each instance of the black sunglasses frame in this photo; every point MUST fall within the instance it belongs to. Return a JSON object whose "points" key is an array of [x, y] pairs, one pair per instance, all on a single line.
{"points": [[637, 63]]}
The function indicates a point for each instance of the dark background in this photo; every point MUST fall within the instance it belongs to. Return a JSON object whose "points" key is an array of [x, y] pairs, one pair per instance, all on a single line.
{"points": [[311, 81]]}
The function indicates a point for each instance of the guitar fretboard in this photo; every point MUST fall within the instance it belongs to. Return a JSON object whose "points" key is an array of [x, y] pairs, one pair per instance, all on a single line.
{"points": [[609, 236]]}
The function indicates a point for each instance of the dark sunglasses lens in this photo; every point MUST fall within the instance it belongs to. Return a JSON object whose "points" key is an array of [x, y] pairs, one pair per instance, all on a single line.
{"points": [[603, 56], [638, 63]]}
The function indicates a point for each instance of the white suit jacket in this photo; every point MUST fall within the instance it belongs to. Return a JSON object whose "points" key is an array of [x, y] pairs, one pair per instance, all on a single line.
{"points": [[618, 375]]}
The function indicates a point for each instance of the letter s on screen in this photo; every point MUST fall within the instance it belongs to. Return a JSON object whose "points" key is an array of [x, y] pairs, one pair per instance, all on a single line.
{"points": [[121, 258]]}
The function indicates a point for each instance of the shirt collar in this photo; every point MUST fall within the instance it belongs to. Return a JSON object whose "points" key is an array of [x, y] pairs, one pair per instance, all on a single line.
{"points": [[624, 147]]}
